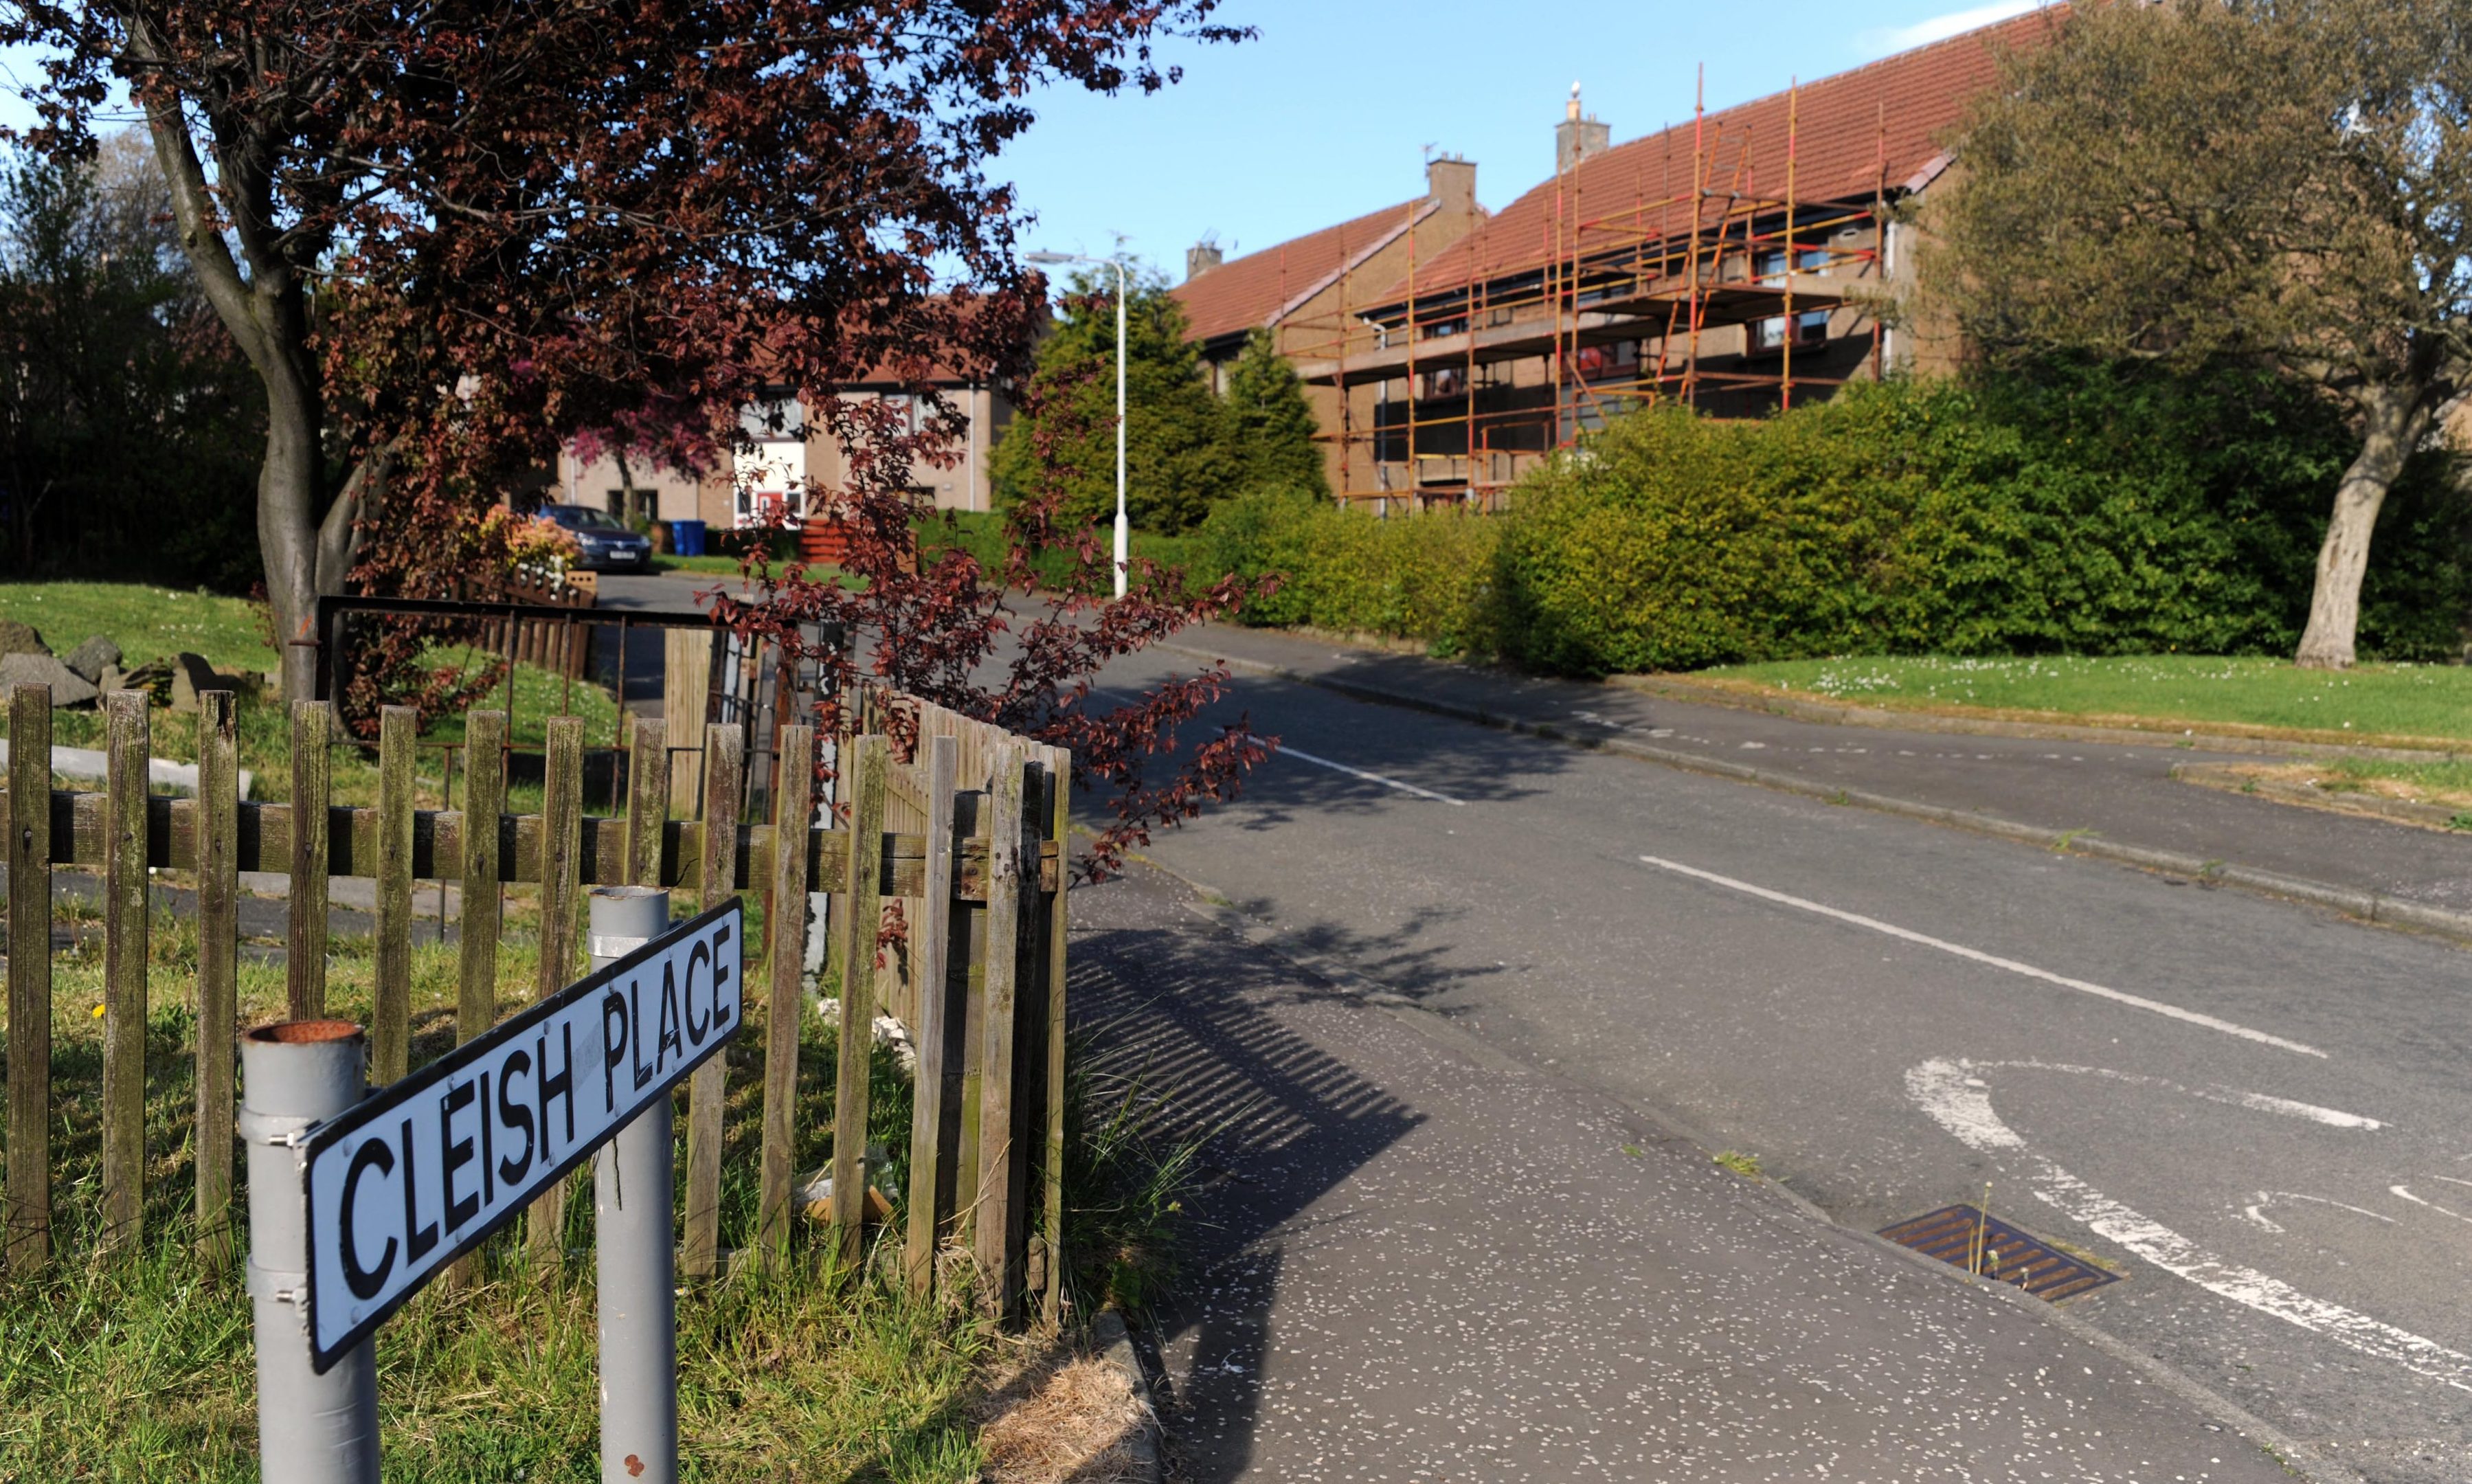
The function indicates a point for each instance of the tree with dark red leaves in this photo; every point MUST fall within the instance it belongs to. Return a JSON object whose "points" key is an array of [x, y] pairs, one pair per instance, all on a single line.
{"points": [[941, 627], [448, 235]]}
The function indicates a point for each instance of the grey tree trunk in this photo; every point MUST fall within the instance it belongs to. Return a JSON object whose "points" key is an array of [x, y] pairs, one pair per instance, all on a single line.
{"points": [[227, 233], [2394, 418]]}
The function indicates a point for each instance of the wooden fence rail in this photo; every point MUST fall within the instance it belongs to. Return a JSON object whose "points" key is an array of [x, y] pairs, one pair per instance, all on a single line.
{"points": [[966, 837]]}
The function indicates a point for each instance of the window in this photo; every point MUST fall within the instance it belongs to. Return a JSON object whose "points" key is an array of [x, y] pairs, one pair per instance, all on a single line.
{"points": [[1449, 381], [774, 420], [1768, 336]]}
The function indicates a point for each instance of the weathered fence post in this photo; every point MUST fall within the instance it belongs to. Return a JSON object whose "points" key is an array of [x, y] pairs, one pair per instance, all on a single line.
{"points": [[647, 800], [30, 977], [928, 957], [992, 1232], [304, 969], [869, 758], [485, 795], [632, 1184], [217, 851], [1059, 785], [125, 910], [562, 864], [686, 681], [724, 749], [311, 1428], [390, 1006], [477, 922], [785, 930]]}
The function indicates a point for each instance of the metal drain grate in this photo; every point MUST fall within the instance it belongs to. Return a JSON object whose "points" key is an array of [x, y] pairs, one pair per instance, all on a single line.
{"points": [[2005, 1254]]}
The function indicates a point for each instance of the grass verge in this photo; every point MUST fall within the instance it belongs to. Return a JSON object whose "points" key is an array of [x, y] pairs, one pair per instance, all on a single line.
{"points": [[137, 1367], [146, 622], [2396, 704]]}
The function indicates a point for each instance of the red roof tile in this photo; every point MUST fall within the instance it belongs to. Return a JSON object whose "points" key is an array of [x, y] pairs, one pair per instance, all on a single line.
{"points": [[1877, 127], [1259, 287]]}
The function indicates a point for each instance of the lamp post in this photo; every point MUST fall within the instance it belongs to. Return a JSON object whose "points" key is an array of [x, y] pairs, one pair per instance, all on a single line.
{"points": [[1124, 526]]}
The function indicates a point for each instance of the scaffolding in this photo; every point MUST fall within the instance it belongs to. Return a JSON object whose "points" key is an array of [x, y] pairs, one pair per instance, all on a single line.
{"points": [[1700, 292]]}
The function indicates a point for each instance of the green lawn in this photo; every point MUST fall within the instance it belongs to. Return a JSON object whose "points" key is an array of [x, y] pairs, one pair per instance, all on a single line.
{"points": [[139, 1368], [147, 623], [721, 566], [2400, 703]]}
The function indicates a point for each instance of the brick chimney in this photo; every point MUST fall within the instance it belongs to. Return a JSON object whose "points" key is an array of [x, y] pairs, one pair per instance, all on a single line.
{"points": [[1201, 258], [1578, 136], [1452, 182]]}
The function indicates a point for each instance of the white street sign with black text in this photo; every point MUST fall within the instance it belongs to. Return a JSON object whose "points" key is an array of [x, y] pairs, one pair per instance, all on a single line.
{"points": [[425, 1168]]}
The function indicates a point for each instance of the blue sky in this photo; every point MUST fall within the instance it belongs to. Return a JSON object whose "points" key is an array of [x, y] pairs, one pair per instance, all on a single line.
{"points": [[1328, 115]]}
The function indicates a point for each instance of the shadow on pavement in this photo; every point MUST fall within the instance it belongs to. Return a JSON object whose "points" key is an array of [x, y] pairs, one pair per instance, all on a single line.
{"points": [[1278, 1123]]}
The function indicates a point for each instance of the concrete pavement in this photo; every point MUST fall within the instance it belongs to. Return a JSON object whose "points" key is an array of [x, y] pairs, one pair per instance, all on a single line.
{"points": [[1418, 1258]]}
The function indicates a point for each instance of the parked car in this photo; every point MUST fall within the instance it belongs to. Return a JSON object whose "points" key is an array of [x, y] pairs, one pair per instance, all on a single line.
{"points": [[602, 542]]}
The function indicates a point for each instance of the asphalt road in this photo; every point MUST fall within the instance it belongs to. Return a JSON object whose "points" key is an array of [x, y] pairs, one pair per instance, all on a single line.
{"points": [[2256, 1109]]}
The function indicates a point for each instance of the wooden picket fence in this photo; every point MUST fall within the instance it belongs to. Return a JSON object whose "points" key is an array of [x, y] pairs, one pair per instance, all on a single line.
{"points": [[967, 836]]}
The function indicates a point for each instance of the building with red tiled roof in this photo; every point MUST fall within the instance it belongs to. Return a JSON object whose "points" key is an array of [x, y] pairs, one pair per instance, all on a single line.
{"points": [[1725, 262], [1300, 291]]}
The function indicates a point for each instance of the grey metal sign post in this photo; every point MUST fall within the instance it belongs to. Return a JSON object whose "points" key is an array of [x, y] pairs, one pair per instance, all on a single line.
{"points": [[315, 1425], [356, 1203], [635, 1248]]}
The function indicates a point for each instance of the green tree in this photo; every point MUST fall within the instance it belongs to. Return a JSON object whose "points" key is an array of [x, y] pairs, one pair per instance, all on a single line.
{"points": [[2282, 182], [1269, 425], [111, 348], [1175, 456]]}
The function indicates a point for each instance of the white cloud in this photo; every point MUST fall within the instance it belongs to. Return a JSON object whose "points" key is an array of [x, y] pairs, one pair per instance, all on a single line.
{"points": [[1886, 40]]}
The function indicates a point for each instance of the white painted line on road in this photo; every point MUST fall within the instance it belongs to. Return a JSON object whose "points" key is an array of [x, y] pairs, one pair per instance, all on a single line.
{"points": [[1958, 1101], [2406, 1192], [1977, 956], [1301, 756], [2238, 1097], [2267, 1198]]}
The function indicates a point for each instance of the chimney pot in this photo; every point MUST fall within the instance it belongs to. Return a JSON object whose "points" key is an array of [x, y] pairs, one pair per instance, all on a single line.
{"points": [[1201, 258]]}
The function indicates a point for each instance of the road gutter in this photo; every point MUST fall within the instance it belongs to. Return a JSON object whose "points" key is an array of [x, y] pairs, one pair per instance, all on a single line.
{"points": [[2367, 907]]}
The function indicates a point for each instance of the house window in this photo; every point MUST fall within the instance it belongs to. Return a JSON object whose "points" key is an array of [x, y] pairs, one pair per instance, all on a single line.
{"points": [[1810, 332], [774, 420], [1449, 381], [1441, 327]]}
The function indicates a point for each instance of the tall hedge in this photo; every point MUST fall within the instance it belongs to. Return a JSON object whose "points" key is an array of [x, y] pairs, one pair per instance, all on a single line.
{"points": [[1423, 577], [2081, 510]]}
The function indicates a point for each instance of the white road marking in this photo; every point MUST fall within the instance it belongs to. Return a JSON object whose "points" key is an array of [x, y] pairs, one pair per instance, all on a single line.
{"points": [[2267, 1198], [1940, 1089], [1301, 756], [1977, 956], [2406, 1192], [2238, 1097]]}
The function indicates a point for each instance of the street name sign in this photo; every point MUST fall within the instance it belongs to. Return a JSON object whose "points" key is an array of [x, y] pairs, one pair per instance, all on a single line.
{"points": [[423, 1170]]}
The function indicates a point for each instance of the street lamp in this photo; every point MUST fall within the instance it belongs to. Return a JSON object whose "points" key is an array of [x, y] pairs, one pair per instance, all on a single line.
{"points": [[1124, 526]]}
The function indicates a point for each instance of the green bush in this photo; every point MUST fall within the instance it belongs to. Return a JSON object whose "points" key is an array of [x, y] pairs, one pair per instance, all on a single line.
{"points": [[1422, 577], [2076, 510]]}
